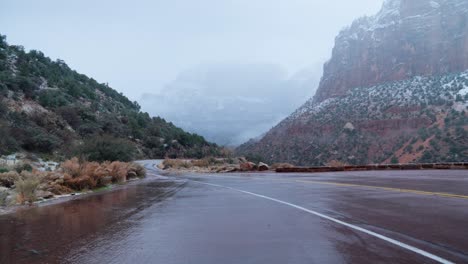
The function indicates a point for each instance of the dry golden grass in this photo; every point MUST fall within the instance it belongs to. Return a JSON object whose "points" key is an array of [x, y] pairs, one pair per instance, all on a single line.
{"points": [[177, 164], [73, 175], [59, 189], [90, 175], [72, 167], [201, 162], [7, 179], [118, 171], [188, 164], [80, 183], [26, 187]]}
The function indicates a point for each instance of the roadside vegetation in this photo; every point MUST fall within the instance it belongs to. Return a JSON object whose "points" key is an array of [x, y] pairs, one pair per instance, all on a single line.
{"points": [[18, 186], [219, 165]]}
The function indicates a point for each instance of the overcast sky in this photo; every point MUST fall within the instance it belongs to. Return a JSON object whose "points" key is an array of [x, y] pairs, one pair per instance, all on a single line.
{"points": [[139, 46]]}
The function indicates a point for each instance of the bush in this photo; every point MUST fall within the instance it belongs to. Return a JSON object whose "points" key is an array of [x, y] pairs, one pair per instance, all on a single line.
{"points": [[41, 141], [3, 196], [84, 175], [23, 167], [202, 162], [70, 114], [89, 175], [206, 162], [59, 189], [8, 179], [52, 98], [7, 142], [108, 148], [80, 183], [72, 167], [26, 188], [138, 169], [176, 164], [118, 170]]}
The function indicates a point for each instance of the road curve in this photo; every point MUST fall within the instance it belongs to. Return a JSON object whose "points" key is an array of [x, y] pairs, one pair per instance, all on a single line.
{"points": [[345, 217]]}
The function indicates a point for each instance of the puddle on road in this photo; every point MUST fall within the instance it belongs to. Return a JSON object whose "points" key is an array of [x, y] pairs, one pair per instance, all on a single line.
{"points": [[48, 233]]}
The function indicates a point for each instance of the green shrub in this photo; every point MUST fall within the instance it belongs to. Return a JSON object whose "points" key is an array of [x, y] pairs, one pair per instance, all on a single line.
{"points": [[42, 142], [52, 98], [107, 148], [23, 167], [7, 142], [71, 115]]}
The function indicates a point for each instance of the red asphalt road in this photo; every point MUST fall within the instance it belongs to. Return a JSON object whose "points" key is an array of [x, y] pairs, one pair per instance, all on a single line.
{"points": [[257, 219]]}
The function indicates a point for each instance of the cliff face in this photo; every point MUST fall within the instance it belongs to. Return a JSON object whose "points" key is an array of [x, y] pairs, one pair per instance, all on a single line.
{"points": [[395, 90], [406, 38]]}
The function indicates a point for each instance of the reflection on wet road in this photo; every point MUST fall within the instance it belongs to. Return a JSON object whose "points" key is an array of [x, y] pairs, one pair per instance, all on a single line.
{"points": [[182, 220]]}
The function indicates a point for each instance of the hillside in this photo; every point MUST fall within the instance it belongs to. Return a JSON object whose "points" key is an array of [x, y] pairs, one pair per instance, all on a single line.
{"points": [[395, 90], [49, 109]]}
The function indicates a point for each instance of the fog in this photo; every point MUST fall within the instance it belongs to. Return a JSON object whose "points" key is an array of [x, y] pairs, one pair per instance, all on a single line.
{"points": [[231, 103], [226, 69]]}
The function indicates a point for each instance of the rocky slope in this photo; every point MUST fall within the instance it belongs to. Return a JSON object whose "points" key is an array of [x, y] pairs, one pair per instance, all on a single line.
{"points": [[50, 109], [395, 90], [406, 38]]}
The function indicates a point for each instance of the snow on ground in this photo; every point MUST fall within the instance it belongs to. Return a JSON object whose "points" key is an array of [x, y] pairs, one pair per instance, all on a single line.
{"points": [[463, 91]]}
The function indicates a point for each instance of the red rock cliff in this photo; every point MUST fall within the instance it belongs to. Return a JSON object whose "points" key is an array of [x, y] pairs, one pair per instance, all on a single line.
{"points": [[405, 39], [395, 89]]}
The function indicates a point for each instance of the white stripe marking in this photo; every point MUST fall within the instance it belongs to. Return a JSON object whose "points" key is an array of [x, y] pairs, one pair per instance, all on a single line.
{"points": [[390, 240]]}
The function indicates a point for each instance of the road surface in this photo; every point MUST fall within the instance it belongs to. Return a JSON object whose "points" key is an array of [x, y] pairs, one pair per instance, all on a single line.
{"points": [[345, 217]]}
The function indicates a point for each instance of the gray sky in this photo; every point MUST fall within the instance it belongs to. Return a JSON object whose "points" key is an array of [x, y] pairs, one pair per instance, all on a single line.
{"points": [[140, 46]]}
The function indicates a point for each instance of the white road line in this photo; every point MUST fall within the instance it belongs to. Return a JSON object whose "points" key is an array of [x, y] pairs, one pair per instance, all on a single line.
{"points": [[390, 240]]}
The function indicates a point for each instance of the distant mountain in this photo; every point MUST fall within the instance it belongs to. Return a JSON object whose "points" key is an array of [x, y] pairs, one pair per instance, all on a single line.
{"points": [[229, 103], [395, 90], [48, 108]]}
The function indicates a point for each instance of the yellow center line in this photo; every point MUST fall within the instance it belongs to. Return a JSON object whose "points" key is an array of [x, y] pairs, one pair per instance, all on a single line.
{"points": [[387, 189], [441, 194]]}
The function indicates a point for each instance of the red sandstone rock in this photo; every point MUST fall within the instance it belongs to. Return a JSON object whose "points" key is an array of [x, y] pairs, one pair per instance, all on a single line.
{"points": [[406, 38]]}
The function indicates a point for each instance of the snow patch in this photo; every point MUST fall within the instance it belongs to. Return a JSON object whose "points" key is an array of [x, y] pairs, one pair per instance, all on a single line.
{"points": [[463, 91], [388, 16], [312, 108]]}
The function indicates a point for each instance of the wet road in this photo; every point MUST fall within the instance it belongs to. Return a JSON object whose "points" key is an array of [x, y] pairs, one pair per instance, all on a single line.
{"points": [[346, 217]]}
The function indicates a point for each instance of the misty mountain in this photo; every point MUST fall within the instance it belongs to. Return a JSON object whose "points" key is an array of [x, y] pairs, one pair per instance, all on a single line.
{"points": [[231, 103], [394, 90]]}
